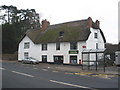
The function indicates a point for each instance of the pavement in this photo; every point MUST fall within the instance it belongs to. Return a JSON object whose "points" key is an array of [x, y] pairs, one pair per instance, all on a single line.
{"points": [[112, 71], [77, 70]]}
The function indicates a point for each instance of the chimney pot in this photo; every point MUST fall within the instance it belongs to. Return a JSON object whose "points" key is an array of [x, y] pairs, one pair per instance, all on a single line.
{"points": [[90, 22], [97, 23]]}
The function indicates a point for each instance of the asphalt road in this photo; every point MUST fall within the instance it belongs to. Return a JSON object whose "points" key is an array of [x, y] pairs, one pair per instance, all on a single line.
{"points": [[18, 75]]}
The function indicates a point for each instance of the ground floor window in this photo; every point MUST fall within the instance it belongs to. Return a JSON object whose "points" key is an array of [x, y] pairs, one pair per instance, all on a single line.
{"points": [[26, 54], [73, 59], [58, 59], [44, 58]]}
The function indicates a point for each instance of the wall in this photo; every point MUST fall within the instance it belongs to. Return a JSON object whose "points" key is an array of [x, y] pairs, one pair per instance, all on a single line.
{"points": [[91, 42], [9, 56], [35, 51]]}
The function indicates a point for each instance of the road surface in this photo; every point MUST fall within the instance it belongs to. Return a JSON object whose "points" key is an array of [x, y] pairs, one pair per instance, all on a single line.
{"points": [[18, 75]]}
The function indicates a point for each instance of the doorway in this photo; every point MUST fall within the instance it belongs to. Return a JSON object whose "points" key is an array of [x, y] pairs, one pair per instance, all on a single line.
{"points": [[73, 59], [58, 59]]}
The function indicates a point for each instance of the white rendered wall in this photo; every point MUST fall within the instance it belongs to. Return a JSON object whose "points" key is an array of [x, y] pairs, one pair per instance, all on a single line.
{"points": [[91, 42], [64, 51], [36, 51], [33, 50]]}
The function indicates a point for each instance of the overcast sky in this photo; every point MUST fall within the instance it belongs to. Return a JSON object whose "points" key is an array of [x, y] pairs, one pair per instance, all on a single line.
{"points": [[59, 11]]}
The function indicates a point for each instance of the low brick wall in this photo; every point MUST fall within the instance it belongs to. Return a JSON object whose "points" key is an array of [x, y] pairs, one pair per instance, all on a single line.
{"points": [[9, 56]]}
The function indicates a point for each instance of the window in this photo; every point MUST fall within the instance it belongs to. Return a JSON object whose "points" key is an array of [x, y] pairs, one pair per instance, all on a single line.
{"points": [[61, 33], [73, 45], [26, 45], [95, 35], [26, 54], [58, 59], [44, 58], [44, 46], [96, 45], [57, 46]]}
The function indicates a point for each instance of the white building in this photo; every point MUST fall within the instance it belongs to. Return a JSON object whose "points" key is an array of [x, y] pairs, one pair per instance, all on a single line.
{"points": [[63, 42]]}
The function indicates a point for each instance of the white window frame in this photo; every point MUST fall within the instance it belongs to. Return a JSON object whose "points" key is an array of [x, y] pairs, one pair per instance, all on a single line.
{"points": [[73, 46], [95, 35], [26, 45], [57, 46], [26, 55], [44, 47]]}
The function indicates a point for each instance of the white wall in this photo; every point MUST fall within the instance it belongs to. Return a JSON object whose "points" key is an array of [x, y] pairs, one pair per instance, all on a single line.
{"points": [[35, 50], [64, 51], [91, 42]]}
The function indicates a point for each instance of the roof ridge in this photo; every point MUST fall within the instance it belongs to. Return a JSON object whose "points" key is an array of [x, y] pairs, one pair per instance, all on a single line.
{"points": [[69, 22]]}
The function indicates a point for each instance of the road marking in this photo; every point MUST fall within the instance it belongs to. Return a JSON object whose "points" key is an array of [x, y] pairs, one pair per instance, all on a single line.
{"points": [[23, 74], [35, 68], [2, 68], [68, 73], [33, 65], [44, 69], [54, 71], [71, 84]]}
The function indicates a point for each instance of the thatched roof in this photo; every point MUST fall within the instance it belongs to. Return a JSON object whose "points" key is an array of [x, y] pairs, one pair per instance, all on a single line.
{"points": [[72, 31]]}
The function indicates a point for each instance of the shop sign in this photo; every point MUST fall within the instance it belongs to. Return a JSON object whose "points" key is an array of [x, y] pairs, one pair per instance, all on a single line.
{"points": [[73, 52]]}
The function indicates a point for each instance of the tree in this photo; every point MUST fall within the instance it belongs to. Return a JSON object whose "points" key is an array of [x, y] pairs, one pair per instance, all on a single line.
{"points": [[14, 25]]}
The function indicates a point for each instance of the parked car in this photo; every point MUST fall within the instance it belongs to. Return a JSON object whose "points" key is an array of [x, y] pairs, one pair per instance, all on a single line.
{"points": [[30, 60]]}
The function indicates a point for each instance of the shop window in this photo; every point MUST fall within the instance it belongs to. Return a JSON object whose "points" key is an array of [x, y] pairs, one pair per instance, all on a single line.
{"points": [[73, 59], [58, 59]]}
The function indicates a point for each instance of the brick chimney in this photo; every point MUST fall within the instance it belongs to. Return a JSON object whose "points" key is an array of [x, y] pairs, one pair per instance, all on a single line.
{"points": [[45, 24], [97, 23], [90, 22]]}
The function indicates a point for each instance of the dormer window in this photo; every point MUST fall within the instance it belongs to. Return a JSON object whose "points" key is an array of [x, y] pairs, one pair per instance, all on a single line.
{"points": [[61, 34], [95, 35]]}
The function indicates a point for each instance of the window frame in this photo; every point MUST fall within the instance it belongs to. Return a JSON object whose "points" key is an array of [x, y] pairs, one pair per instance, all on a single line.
{"points": [[61, 33], [44, 47], [95, 35], [26, 45], [44, 57], [26, 55], [58, 46], [97, 46], [73, 46]]}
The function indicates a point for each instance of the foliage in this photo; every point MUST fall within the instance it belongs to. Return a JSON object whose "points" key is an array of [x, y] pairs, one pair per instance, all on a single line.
{"points": [[14, 25]]}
